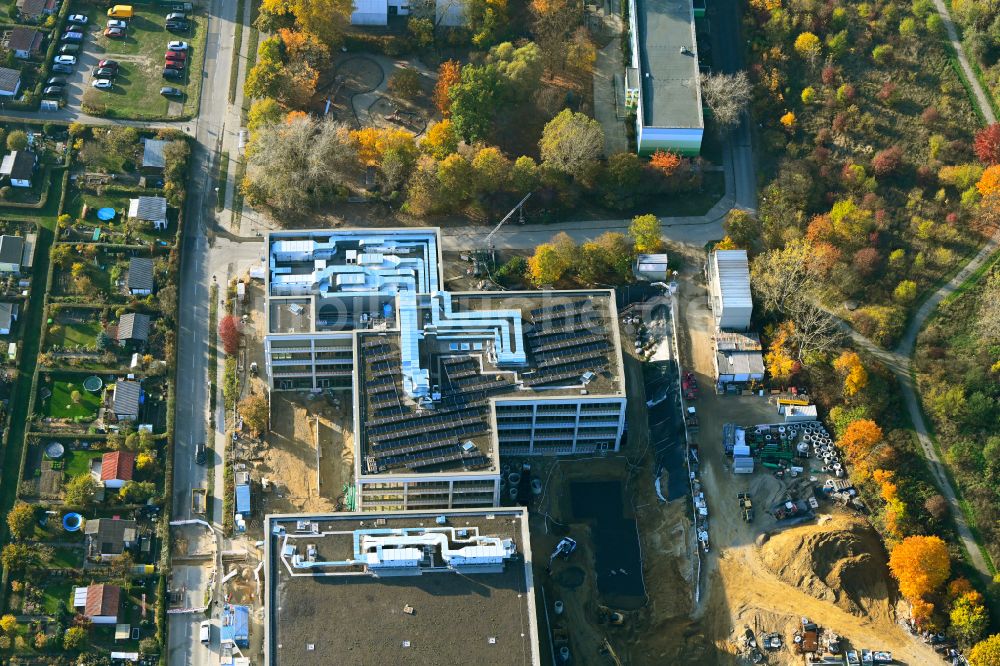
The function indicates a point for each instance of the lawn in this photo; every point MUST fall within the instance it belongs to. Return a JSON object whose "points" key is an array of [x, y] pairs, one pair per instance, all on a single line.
{"points": [[61, 406], [136, 92], [77, 333], [77, 200], [53, 593], [76, 463]]}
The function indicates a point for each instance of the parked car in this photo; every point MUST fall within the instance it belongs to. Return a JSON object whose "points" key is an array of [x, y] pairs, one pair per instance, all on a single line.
{"points": [[53, 91], [182, 7], [115, 33], [172, 73], [176, 16], [62, 68], [102, 84], [64, 60], [108, 63], [170, 91], [179, 56], [177, 46], [173, 64], [69, 48], [75, 37], [106, 72], [77, 19], [56, 81], [178, 26], [117, 23]]}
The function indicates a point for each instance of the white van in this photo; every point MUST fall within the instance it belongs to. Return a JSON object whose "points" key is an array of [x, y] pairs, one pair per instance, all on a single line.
{"points": [[205, 632]]}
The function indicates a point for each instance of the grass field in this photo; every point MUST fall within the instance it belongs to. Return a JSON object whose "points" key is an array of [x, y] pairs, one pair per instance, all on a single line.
{"points": [[77, 334], [136, 93], [78, 462], [54, 593], [61, 406]]}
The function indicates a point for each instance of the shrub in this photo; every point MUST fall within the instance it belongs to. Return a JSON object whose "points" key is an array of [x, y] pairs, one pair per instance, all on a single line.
{"points": [[887, 161], [882, 54]]}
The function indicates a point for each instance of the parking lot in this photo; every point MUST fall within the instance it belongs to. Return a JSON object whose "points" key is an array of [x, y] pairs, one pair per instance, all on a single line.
{"points": [[135, 92]]}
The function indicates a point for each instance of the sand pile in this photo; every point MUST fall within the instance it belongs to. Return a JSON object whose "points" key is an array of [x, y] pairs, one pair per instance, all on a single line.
{"points": [[842, 561]]}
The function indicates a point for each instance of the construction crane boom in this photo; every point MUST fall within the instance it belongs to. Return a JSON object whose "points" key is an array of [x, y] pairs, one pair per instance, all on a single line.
{"points": [[489, 236]]}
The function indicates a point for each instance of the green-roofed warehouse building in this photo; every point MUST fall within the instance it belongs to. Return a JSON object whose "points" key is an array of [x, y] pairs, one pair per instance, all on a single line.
{"points": [[661, 82]]}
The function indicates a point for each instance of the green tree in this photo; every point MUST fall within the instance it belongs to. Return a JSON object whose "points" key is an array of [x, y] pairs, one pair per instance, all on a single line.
{"points": [[492, 169], [524, 175], [456, 176], [18, 556], [521, 67], [646, 233], [742, 227], [17, 140], [21, 520], [421, 30], [607, 259], [475, 101], [74, 639], [905, 292], [405, 82], [625, 175], [264, 112], [572, 143], [81, 490], [137, 492]]}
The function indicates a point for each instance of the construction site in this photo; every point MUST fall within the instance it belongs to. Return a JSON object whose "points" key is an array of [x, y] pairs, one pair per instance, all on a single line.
{"points": [[721, 532]]}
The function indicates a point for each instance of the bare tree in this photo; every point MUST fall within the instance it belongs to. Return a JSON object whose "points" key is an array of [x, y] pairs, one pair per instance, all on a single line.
{"points": [[782, 279], [298, 164], [727, 96], [988, 318]]}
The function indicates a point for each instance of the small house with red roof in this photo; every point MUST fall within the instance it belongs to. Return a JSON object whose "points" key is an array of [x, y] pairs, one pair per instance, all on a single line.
{"points": [[117, 468], [99, 603]]}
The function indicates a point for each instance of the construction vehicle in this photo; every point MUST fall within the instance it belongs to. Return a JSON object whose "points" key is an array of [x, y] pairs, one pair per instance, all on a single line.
{"points": [[199, 500], [607, 616], [564, 548], [746, 507], [691, 420], [689, 386]]}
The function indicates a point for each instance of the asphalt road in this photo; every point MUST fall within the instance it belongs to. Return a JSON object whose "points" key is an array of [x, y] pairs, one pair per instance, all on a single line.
{"points": [[192, 340]]}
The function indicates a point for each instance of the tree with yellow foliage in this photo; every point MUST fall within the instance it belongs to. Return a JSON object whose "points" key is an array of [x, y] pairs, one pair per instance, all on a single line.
{"points": [[646, 233], [788, 120], [546, 265], [848, 364], [726, 243], [440, 140], [808, 46], [765, 5], [373, 142], [986, 652], [969, 618], [326, 19], [989, 183], [921, 565], [780, 358], [895, 508]]}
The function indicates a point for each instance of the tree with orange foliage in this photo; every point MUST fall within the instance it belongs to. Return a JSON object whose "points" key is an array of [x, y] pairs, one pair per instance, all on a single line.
{"points": [[373, 142], [855, 376], [858, 442], [958, 587], [990, 181], [665, 162], [449, 75], [824, 257], [295, 115], [921, 565], [780, 357], [820, 229]]}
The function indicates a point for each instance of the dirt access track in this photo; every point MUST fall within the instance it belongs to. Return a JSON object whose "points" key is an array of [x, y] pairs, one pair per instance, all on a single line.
{"points": [[831, 571]]}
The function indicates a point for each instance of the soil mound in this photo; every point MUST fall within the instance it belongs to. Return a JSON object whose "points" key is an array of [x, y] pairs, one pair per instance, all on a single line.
{"points": [[842, 561]]}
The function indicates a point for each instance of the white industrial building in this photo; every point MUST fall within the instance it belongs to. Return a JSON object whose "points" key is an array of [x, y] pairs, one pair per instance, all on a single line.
{"points": [[447, 13], [729, 289], [443, 383]]}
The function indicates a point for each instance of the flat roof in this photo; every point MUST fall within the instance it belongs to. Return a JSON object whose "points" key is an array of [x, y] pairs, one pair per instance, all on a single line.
{"points": [[668, 59], [733, 271], [341, 279], [441, 615], [561, 344]]}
